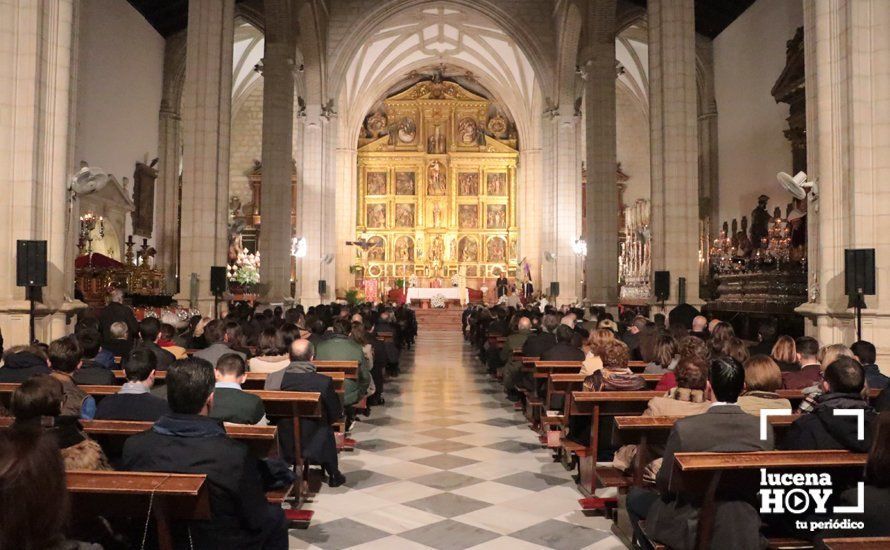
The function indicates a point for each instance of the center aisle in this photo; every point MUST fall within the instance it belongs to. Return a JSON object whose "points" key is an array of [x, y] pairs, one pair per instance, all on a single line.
{"points": [[446, 464]]}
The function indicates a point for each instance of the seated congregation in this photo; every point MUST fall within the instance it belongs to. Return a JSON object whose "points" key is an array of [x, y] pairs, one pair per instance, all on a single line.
{"points": [[244, 406], [648, 396]]}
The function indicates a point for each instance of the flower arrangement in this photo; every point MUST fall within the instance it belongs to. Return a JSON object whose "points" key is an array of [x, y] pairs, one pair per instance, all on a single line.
{"points": [[245, 270], [413, 280], [455, 280], [438, 301]]}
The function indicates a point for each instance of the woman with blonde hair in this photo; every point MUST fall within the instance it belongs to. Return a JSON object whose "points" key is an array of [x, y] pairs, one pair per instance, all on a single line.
{"points": [[784, 353], [665, 355], [828, 354], [762, 379]]}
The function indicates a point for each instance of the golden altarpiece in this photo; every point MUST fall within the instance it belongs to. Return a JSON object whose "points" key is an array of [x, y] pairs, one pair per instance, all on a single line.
{"points": [[437, 187]]}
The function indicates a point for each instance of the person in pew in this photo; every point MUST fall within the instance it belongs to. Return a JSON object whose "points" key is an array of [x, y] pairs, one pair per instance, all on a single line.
{"points": [[876, 497], [115, 348], [230, 402], [822, 429], [271, 353], [134, 401], [149, 332], [235, 338], [23, 362], [699, 327], [766, 338], [665, 356], [564, 350], [360, 337], [512, 367], [762, 379], [383, 354], [882, 402], [865, 353], [166, 343], [671, 517], [340, 348], [189, 441], [809, 370], [615, 375], [216, 336], [784, 353], [690, 396], [33, 496], [827, 355], [117, 312], [65, 358], [317, 435], [90, 371], [37, 405], [688, 346]]}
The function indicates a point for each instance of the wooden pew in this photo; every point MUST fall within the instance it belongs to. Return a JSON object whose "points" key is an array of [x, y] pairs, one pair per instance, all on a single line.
{"points": [[654, 430], [261, 439], [171, 497], [254, 381], [705, 474], [637, 366], [857, 543]]}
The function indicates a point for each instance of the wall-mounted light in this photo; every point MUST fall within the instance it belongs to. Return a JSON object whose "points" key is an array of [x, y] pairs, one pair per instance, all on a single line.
{"points": [[579, 247], [298, 247]]}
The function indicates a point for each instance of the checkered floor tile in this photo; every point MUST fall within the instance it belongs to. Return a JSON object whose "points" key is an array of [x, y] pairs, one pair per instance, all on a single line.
{"points": [[448, 464]]}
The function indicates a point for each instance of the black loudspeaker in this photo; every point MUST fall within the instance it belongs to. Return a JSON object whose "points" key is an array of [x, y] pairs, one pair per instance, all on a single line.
{"points": [[859, 271], [322, 287], [681, 290], [30, 266], [662, 285], [217, 279], [554, 288]]}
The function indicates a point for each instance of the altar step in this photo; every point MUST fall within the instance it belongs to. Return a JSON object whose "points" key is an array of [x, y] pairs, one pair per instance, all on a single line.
{"points": [[438, 319]]}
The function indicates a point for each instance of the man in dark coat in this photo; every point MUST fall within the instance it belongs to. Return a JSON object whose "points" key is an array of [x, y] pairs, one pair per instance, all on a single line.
{"points": [[536, 344], [810, 370], [230, 402], [822, 429], [564, 350], [134, 401], [188, 441], [90, 371], [149, 330], [501, 284], [22, 362], [317, 435], [867, 355], [670, 516], [117, 311]]}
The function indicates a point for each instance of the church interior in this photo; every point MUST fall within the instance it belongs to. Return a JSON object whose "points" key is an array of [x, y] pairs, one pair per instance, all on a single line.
{"points": [[396, 203]]}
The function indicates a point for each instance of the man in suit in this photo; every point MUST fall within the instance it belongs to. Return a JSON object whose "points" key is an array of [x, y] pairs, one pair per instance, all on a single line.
{"points": [[149, 330], [230, 402], [340, 348], [317, 435], [134, 401], [810, 369], [725, 427], [501, 284], [116, 311], [188, 441], [513, 368], [216, 337], [536, 344], [565, 348]]}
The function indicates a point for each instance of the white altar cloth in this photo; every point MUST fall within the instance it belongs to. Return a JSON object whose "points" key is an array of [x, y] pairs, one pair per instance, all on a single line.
{"points": [[450, 293]]}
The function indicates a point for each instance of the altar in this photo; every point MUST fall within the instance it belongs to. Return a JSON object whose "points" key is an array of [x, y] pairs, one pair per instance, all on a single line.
{"points": [[449, 293]]}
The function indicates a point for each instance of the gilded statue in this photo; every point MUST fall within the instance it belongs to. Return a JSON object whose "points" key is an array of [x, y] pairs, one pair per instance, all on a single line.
{"points": [[437, 250], [468, 250], [436, 182], [406, 130], [468, 183], [404, 250], [437, 215], [435, 144]]}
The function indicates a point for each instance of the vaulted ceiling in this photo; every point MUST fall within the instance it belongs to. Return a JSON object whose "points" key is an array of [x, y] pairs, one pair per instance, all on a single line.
{"points": [[711, 16]]}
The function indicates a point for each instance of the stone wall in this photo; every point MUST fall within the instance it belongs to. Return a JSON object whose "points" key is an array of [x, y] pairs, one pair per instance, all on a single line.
{"points": [[632, 138], [247, 142]]}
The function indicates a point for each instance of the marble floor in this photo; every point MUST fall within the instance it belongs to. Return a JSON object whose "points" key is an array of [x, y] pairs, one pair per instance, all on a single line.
{"points": [[448, 464]]}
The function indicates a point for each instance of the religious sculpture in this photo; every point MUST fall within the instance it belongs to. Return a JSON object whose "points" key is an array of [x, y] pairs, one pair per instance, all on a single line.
{"points": [[404, 250], [376, 250], [452, 250], [376, 183], [496, 216], [407, 130], [760, 219], [144, 197], [497, 184], [376, 124], [437, 215], [468, 130], [468, 184], [435, 144], [436, 183], [405, 215], [468, 250], [496, 250], [377, 215], [467, 216], [405, 183], [497, 125], [743, 246], [437, 249]]}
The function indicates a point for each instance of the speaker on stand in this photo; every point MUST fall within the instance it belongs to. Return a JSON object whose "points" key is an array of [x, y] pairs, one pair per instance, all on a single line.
{"points": [[662, 286], [554, 289], [30, 272], [859, 280], [217, 285]]}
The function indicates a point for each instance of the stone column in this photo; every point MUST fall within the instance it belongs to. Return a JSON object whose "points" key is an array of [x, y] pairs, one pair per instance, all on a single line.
{"points": [[567, 207], [278, 139], [847, 48], [313, 204], [674, 143], [206, 114], [35, 144], [601, 227]]}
